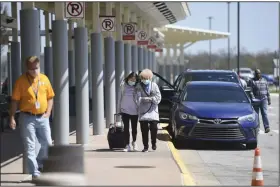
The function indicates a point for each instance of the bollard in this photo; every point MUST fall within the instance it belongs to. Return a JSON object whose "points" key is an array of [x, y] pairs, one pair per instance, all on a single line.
{"points": [[64, 166]]}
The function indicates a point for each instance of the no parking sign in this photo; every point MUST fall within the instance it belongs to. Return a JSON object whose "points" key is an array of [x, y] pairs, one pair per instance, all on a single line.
{"points": [[129, 31], [74, 9]]}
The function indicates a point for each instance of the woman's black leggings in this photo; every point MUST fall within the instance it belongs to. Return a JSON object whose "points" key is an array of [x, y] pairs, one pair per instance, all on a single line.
{"points": [[134, 120]]}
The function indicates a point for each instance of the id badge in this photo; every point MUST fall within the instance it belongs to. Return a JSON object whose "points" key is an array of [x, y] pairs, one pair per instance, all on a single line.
{"points": [[37, 105]]}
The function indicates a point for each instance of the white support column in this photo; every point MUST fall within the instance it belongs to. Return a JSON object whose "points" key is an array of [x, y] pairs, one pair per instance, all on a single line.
{"points": [[134, 19], [95, 17], [47, 27], [118, 8], [126, 19], [15, 15], [27, 5], [182, 63], [176, 68], [109, 11], [59, 11], [168, 65]]}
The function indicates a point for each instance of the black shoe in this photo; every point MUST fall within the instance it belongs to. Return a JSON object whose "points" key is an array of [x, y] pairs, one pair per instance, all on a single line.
{"points": [[154, 147], [145, 150], [267, 130]]}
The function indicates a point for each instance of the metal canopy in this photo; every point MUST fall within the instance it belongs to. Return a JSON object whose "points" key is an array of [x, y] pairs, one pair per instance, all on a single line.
{"points": [[180, 35]]}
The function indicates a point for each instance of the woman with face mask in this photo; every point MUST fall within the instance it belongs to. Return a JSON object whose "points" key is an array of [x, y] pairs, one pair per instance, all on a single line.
{"points": [[127, 107], [148, 98]]}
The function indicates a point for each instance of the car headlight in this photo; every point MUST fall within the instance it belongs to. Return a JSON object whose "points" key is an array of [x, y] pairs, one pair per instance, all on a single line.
{"points": [[250, 117], [185, 116]]}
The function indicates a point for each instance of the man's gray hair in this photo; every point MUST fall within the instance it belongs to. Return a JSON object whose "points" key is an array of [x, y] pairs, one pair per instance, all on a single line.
{"points": [[146, 74]]}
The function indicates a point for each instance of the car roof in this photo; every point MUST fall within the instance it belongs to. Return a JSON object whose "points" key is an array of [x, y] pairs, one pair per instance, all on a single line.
{"points": [[212, 83], [208, 71]]}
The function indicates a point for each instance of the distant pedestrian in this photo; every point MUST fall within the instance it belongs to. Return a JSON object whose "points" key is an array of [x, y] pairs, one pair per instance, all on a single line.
{"points": [[34, 95], [149, 97], [127, 107], [261, 91]]}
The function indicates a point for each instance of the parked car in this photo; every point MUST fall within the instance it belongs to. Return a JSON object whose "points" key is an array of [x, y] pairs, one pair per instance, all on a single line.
{"points": [[246, 72], [168, 90], [270, 79], [214, 111]]}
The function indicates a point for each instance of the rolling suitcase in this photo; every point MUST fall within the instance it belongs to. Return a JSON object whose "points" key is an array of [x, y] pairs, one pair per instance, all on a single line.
{"points": [[116, 134]]}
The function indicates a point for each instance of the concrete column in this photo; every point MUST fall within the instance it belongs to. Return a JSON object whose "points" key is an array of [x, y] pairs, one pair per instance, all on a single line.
{"points": [[154, 62], [127, 46], [89, 73], [71, 57], [176, 69], [182, 60], [134, 48], [97, 73], [61, 76], [9, 67], [81, 81], [119, 50], [167, 64], [140, 48], [110, 84], [48, 58], [29, 27], [163, 67], [15, 50]]}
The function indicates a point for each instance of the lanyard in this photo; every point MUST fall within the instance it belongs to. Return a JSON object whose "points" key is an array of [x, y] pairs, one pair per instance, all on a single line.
{"points": [[35, 91]]}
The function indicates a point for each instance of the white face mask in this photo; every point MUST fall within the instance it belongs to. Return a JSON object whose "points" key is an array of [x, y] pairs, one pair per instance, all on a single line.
{"points": [[131, 83]]}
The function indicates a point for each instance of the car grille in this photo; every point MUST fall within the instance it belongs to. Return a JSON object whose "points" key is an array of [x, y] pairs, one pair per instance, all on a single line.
{"points": [[216, 132], [223, 120]]}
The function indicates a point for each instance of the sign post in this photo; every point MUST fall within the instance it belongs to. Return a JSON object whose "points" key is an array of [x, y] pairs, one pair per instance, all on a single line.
{"points": [[129, 31], [142, 38], [74, 10], [107, 23]]}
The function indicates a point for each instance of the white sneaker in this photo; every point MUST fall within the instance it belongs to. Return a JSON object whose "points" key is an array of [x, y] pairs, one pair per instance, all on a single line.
{"points": [[127, 148], [134, 146]]}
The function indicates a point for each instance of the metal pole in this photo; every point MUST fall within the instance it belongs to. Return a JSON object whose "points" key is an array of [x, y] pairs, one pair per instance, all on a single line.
{"points": [[238, 37], [228, 3], [210, 44]]}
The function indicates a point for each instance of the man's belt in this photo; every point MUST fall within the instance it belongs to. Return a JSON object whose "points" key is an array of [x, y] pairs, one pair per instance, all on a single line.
{"points": [[31, 114]]}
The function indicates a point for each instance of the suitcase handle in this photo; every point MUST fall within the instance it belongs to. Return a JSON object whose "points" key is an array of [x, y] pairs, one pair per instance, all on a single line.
{"points": [[117, 118]]}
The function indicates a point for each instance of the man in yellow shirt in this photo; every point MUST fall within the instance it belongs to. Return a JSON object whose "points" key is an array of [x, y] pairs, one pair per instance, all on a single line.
{"points": [[33, 94]]}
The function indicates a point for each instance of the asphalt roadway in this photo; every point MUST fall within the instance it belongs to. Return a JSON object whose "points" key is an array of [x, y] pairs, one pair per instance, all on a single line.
{"points": [[223, 164]]}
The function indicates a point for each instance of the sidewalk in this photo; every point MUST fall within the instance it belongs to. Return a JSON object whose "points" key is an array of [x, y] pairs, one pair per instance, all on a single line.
{"points": [[106, 167]]}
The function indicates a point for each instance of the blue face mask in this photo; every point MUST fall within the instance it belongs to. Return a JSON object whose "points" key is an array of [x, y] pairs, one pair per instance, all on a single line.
{"points": [[131, 83], [146, 82]]}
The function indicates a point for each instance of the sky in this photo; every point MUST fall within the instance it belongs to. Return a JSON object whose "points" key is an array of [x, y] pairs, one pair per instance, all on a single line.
{"points": [[259, 25]]}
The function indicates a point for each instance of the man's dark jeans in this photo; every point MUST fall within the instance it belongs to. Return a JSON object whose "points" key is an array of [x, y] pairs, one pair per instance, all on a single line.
{"points": [[263, 108]]}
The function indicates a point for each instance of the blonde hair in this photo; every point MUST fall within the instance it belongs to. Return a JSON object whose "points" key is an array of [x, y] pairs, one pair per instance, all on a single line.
{"points": [[146, 74], [32, 59]]}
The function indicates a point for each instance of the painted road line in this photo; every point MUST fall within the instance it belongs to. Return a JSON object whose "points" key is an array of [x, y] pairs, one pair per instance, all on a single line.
{"points": [[188, 180]]}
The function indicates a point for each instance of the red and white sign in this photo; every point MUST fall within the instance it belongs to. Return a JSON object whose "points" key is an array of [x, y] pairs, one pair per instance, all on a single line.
{"points": [[129, 31], [142, 37], [152, 43], [74, 10], [159, 48]]}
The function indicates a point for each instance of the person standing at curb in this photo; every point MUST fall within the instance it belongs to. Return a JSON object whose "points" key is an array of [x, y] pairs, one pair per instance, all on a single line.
{"points": [[127, 107], [148, 98], [33, 94], [260, 91]]}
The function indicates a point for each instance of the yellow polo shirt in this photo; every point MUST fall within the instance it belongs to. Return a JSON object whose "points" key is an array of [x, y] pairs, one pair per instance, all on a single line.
{"points": [[23, 92]]}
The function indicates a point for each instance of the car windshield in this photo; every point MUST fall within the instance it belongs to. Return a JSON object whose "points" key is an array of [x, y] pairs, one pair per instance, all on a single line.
{"points": [[159, 81], [217, 94], [225, 77]]}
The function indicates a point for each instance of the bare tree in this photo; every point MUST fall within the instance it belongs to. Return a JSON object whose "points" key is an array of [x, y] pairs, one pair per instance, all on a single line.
{"points": [[3, 11]]}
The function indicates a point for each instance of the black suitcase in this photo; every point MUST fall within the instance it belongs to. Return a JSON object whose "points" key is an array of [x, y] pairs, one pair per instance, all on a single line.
{"points": [[116, 134]]}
